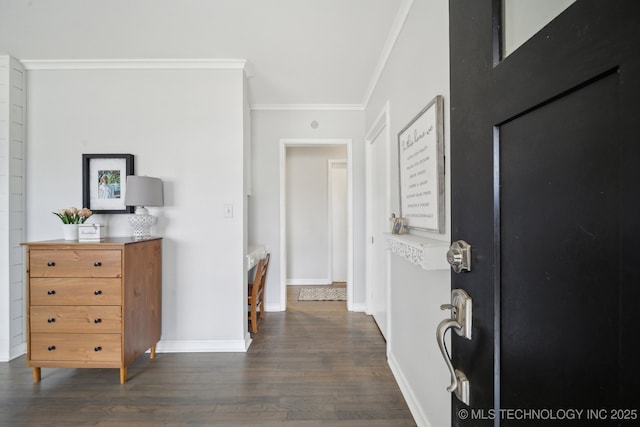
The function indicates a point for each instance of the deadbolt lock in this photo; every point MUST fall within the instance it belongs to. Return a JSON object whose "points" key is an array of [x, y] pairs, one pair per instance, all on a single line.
{"points": [[459, 256]]}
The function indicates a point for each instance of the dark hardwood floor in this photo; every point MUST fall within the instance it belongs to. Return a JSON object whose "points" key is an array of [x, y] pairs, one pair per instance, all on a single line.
{"points": [[314, 365]]}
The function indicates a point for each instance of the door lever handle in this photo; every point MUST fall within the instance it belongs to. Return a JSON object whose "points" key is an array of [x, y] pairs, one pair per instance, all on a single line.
{"points": [[459, 321], [442, 329], [453, 308]]}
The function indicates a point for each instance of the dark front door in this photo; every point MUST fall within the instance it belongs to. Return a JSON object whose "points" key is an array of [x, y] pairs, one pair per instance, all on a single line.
{"points": [[545, 166]]}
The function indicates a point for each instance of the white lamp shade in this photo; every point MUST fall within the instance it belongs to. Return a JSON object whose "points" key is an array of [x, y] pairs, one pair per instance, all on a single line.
{"points": [[143, 191]]}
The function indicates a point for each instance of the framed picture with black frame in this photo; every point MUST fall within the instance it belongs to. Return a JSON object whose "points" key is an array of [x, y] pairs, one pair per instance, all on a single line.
{"points": [[104, 182]]}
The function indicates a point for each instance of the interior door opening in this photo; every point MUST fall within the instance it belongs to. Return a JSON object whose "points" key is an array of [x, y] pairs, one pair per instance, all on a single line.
{"points": [[297, 198]]}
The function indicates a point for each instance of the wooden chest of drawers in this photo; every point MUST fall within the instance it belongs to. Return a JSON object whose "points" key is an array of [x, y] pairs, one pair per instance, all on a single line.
{"points": [[92, 304]]}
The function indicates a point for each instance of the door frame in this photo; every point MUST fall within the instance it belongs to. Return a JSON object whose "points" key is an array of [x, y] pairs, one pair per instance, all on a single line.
{"points": [[382, 123], [314, 142]]}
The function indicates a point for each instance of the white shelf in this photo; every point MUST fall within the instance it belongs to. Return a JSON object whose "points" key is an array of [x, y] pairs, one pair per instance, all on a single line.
{"points": [[429, 254]]}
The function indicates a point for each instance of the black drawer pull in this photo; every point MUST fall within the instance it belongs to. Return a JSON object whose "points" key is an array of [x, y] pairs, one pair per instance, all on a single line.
{"points": [[51, 320], [97, 348], [51, 292], [51, 264], [97, 292], [51, 347], [97, 264], [97, 321]]}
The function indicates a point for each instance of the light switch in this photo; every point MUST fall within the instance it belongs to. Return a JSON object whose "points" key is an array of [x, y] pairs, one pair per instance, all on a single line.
{"points": [[228, 211]]}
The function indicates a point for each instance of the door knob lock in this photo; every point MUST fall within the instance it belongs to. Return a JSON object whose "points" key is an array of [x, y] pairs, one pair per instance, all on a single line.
{"points": [[459, 256]]}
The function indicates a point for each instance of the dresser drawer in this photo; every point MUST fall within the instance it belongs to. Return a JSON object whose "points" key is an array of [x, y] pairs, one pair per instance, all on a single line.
{"points": [[74, 263], [75, 291], [76, 319], [75, 347]]}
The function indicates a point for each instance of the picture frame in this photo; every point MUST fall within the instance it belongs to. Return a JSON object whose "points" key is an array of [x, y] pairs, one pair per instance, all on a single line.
{"points": [[421, 169], [104, 182], [398, 225]]}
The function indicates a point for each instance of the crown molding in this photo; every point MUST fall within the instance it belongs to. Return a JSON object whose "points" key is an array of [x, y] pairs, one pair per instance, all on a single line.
{"points": [[134, 64], [396, 28], [307, 107]]}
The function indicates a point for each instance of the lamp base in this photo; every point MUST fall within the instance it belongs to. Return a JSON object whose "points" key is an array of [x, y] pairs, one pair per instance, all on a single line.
{"points": [[141, 224]]}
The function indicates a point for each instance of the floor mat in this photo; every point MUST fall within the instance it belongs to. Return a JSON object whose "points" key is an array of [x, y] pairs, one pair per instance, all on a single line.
{"points": [[328, 293]]}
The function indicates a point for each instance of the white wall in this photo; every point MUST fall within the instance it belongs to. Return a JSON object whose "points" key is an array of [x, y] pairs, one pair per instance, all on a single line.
{"points": [[338, 220], [268, 128], [307, 216], [417, 71], [184, 126]]}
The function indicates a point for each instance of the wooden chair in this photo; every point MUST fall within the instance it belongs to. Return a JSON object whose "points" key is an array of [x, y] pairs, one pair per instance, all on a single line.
{"points": [[256, 293]]}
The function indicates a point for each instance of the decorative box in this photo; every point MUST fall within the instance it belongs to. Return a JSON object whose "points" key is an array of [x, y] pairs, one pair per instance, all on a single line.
{"points": [[89, 232]]}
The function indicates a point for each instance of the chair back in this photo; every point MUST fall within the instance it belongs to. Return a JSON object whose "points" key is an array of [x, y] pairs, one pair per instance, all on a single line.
{"points": [[256, 293], [257, 288], [265, 269]]}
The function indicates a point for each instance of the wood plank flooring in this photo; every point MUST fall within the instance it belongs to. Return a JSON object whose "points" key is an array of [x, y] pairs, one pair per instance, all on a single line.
{"points": [[314, 365]]}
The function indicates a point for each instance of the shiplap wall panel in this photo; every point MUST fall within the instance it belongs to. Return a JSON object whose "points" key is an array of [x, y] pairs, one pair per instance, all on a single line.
{"points": [[5, 265], [12, 206]]}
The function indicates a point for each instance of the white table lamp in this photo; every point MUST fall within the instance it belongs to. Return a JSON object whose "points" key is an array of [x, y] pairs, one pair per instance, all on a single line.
{"points": [[143, 191]]}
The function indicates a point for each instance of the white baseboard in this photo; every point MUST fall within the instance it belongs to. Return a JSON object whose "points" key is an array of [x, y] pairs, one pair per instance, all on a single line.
{"points": [[14, 352], [18, 350], [203, 346], [200, 346], [408, 394], [359, 308], [309, 282], [191, 346], [273, 308]]}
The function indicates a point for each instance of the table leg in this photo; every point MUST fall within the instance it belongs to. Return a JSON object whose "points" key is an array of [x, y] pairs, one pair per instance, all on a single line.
{"points": [[37, 375]]}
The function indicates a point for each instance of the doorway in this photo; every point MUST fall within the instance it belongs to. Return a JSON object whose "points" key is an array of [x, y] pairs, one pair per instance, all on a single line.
{"points": [[285, 221]]}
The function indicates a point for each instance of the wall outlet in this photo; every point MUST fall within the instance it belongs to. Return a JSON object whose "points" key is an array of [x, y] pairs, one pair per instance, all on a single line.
{"points": [[228, 211]]}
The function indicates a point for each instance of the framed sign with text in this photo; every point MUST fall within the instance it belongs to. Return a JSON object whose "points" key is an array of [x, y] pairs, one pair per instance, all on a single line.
{"points": [[421, 166]]}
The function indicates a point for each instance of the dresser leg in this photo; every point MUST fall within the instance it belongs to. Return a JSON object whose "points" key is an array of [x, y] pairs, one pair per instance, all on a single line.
{"points": [[152, 354], [36, 375], [123, 375]]}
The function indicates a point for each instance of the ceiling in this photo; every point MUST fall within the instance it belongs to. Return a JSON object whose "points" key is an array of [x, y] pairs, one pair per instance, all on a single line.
{"points": [[298, 52]]}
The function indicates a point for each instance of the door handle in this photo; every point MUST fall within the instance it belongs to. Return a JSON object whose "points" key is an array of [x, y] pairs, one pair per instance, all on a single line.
{"points": [[442, 329], [459, 321]]}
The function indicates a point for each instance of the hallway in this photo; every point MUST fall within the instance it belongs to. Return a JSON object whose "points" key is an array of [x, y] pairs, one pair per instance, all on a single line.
{"points": [[314, 365]]}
